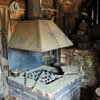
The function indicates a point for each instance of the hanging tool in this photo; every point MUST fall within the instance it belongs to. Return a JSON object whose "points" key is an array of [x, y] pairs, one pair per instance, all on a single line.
{"points": [[97, 19], [25, 78], [37, 80]]}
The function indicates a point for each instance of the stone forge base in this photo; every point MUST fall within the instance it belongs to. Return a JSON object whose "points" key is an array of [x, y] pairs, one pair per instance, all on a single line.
{"points": [[69, 92], [65, 88]]}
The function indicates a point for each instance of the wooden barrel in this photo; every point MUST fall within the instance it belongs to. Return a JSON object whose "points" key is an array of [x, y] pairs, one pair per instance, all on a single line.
{"points": [[97, 94]]}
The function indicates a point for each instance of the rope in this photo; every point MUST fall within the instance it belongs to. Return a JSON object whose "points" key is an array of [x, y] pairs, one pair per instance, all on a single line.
{"points": [[14, 7]]}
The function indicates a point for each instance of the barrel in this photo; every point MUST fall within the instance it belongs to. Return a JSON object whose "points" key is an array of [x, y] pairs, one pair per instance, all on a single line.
{"points": [[94, 31], [97, 94]]}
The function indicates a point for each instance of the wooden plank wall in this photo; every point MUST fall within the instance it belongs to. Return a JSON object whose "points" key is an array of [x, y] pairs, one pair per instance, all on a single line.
{"points": [[47, 3], [4, 12], [20, 15], [4, 30], [14, 15], [7, 2]]}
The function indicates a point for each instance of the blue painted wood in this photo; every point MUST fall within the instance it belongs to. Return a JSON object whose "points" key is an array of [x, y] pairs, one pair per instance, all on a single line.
{"points": [[23, 60]]}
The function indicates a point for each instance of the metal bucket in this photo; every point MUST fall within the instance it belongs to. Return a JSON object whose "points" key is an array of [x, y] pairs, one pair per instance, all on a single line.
{"points": [[97, 94]]}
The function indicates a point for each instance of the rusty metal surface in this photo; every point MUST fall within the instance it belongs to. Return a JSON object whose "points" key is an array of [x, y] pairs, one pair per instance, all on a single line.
{"points": [[38, 35], [34, 9]]}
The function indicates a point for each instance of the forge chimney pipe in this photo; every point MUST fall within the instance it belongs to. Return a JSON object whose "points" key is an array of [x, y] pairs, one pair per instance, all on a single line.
{"points": [[34, 9]]}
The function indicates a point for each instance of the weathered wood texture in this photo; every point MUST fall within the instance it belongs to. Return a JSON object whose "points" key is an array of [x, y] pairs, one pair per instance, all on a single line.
{"points": [[34, 9], [69, 7], [13, 15], [47, 3], [7, 2], [4, 27]]}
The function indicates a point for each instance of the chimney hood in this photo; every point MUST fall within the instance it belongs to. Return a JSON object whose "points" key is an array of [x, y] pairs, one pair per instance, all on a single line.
{"points": [[38, 35]]}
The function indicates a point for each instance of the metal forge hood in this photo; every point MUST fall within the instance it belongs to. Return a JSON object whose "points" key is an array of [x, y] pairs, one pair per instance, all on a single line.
{"points": [[38, 35]]}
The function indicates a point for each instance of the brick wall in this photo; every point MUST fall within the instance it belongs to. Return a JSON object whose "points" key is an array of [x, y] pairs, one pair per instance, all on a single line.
{"points": [[22, 92], [69, 92]]}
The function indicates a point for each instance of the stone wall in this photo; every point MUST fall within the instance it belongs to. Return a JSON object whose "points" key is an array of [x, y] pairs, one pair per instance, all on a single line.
{"points": [[88, 65], [22, 92], [86, 60], [69, 92]]}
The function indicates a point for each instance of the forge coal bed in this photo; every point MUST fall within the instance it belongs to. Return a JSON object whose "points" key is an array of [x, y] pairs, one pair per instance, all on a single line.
{"points": [[64, 88]]}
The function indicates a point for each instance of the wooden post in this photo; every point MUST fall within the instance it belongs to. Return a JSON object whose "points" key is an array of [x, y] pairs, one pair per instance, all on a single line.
{"points": [[34, 9], [3, 43], [3, 20]]}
